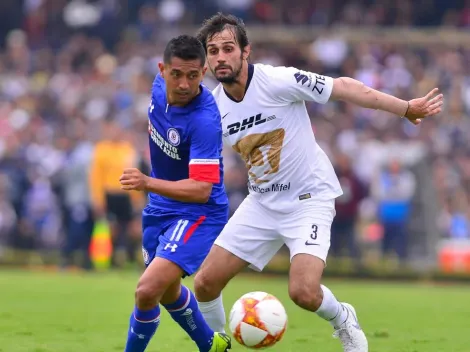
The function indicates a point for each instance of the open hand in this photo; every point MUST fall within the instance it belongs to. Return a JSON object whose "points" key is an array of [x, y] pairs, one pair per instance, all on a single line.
{"points": [[133, 180], [427, 106]]}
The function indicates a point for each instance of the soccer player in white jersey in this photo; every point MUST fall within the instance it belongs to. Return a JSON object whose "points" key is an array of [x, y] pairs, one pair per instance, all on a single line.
{"points": [[292, 183]]}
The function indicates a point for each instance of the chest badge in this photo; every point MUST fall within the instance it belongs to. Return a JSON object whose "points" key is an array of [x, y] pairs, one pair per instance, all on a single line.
{"points": [[173, 136]]}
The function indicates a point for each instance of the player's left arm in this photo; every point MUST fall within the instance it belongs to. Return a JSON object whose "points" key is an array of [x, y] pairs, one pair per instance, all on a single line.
{"points": [[296, 85], [355, 92], [188, 190], [206, 135]]}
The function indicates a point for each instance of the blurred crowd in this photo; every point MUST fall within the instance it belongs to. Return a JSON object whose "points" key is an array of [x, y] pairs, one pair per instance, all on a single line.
{"points": [[74, 92], [52, 20]]}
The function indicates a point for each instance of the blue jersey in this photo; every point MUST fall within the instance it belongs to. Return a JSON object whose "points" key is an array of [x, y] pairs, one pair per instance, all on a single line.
{"points": [[185, 142]]}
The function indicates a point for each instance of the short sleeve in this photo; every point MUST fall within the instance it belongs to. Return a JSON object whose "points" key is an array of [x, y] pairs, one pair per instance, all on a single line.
{"points": [[206, 147], [292, 84]]}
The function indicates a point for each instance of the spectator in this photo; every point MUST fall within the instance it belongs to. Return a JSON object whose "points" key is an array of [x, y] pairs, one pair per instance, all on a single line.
{"points": [[78, 212], [7, 215], [393, 190], [111, 156], [343, 233]]}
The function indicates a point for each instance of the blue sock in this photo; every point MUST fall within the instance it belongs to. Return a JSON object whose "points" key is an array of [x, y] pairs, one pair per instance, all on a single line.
{"points": [[185, 311], [143, 324]]}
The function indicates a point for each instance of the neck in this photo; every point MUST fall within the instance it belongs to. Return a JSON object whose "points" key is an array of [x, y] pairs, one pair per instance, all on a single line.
{"points": [[237, 89]]}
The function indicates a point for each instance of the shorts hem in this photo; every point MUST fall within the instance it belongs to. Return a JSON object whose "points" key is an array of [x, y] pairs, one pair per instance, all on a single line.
{"points": [[322, 258], [252, 265], [185, 268]]}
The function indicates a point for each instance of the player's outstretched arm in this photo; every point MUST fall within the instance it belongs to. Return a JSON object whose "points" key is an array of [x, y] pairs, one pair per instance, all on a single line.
{"points": [[355, 92], [188, 191]]}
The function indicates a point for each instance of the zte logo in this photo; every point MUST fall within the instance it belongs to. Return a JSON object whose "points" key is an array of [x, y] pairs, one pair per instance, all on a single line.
{"points": [[304, 77], [249, 122]]}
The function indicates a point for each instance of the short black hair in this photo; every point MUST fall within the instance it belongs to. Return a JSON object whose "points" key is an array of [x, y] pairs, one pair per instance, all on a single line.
{"points": [[219, 23], [185, 47]]}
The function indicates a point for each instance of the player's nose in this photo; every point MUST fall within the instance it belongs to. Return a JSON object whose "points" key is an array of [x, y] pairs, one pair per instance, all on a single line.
{"points": [[221, 58], [183, 84]]}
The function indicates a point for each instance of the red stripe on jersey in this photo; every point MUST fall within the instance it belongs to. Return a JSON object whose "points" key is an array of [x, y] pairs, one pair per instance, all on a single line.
{"points": [[204, 172], [193, 228]]}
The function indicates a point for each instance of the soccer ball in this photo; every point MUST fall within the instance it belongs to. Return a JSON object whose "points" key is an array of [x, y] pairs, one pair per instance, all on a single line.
{"points": [[258, 320]]}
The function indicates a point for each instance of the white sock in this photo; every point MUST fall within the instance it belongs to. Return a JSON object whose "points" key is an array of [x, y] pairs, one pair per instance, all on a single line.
{"points": [[214, 313], [330, 309]]}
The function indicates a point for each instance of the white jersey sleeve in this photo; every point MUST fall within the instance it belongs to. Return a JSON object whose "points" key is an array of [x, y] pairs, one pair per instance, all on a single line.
{"points": [[291, 85]]}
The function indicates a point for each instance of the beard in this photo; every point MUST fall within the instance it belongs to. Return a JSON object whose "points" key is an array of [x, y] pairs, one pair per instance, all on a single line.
{"points": [[229, 78]]}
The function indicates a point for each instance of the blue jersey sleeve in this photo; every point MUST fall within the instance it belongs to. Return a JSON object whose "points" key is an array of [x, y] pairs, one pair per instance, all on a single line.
{"points": [[206, 146]]}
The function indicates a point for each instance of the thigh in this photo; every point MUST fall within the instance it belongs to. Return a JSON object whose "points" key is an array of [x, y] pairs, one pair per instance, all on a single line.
{"points": [[308, 230], [219, 267], [187, 241], [251, 235]]}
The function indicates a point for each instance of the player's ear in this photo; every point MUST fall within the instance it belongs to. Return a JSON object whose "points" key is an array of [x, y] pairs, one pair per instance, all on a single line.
{"points": [[246, 52], [161, 67], [204, 69]]}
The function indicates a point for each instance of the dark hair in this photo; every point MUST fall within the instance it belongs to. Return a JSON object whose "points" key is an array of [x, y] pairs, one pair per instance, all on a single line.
{"points": [[186, 48], [220, 22]]}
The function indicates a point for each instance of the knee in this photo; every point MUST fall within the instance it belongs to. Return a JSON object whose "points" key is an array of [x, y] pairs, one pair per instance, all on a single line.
{"points": [[147, 295], [206, 287], [308, 297]]}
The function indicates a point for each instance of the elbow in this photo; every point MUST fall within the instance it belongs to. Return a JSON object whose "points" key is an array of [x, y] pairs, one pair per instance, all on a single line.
{"points": [[202, 199], [203, 193]]}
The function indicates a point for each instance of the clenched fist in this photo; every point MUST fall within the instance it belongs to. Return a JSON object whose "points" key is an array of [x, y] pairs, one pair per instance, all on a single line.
{"points": [[133, 180]]}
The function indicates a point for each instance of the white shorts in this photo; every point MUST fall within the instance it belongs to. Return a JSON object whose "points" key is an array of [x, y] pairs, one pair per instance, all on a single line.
{"points": [[255, 234]]}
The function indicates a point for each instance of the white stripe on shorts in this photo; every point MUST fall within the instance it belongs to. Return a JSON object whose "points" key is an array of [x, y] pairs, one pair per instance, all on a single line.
{"points": [[182, 227], [176, 230]]}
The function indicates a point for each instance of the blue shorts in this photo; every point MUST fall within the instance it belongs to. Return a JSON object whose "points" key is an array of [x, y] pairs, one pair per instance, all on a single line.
{"points": [[184, 239]]}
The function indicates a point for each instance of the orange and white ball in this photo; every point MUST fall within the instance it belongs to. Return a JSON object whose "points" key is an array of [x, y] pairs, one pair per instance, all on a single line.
{"points": [[258, 320]]}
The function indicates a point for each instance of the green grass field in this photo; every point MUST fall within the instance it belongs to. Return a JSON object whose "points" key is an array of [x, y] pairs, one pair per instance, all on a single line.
{"points": [[68, 312]]}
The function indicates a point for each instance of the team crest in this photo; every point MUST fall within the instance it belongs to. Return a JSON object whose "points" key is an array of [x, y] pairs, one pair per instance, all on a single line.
{"points": [[173, 136], [145, 254]]}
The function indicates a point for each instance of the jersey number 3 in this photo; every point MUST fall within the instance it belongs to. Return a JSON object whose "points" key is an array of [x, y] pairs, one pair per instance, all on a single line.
{"points": [[261, 153]]}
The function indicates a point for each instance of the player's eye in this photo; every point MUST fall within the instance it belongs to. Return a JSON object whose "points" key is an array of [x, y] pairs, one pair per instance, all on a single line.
{"points": [[228, 49], [175, 74], [213, 51]]}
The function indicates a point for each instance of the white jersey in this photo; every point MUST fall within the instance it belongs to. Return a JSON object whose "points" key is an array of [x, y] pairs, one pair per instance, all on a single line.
{"points": [[271, 130]]}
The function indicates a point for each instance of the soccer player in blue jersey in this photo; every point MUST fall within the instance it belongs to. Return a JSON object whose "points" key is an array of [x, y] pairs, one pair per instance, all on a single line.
{"points": [[188, 206]]}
